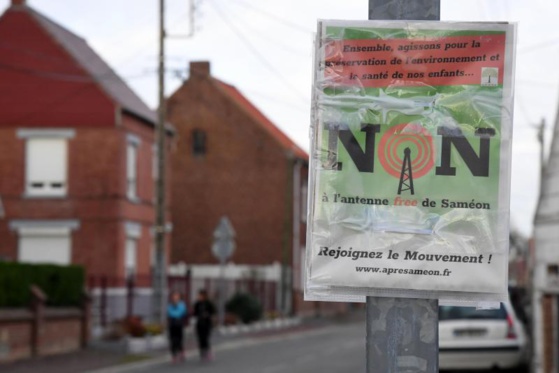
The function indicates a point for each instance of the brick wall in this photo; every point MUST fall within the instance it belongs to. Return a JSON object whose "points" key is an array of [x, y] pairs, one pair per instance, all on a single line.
{"points": [[549, 321], [59, 331], [35, 99], [245, 175], [60, 335], [96, 195], [15, 335]]}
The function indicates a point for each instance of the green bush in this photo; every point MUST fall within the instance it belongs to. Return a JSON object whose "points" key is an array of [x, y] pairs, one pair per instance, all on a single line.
{"points": [[246, 307], [63, 285]]}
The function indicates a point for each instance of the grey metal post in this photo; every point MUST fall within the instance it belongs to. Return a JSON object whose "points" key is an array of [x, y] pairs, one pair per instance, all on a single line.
{"points": [[159, 274], [402, 333], [223, 247], [222, 294]]}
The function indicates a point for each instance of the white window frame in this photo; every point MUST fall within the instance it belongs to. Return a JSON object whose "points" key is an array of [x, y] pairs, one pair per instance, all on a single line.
{"points": [[58, 186], [46, 228], [133, 234], [130, 257], [133, 143]]}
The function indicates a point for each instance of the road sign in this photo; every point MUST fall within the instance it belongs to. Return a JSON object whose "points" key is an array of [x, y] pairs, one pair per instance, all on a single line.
{"points": [[223, 245]]}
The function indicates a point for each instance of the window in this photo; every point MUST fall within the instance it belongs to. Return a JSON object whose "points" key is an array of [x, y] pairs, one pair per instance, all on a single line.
{"points": [[44, 241], [198, 142], [471, 313], [132, 166], [130, 257], [46, 161], [131, 170], [133, 234]]}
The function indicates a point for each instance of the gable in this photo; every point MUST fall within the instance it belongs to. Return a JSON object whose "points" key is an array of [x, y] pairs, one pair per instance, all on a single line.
{"points": [[243, 104], [41, 85], [231, 133]]}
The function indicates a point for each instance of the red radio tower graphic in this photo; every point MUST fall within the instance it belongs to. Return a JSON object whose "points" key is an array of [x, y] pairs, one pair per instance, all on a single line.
{"points": [[406, 176], [416, 144]]}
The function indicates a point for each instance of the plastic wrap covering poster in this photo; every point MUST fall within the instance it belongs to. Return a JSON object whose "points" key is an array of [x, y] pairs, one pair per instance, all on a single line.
{"points": [[410, 160]]}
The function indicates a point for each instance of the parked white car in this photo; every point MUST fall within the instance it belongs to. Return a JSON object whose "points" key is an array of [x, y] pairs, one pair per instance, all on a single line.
{"points": [[480, 339]]}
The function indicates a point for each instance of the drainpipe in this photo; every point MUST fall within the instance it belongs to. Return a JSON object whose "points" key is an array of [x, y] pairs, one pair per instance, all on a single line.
{"points": [[296, 249]]}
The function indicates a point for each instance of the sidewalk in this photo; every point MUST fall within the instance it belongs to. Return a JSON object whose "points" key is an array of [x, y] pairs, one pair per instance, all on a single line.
{"points": [[113, 360]]}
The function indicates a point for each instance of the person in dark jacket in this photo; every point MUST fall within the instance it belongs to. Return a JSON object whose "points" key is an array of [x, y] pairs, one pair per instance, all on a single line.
{"points": [[176, 315], [204, 312]]}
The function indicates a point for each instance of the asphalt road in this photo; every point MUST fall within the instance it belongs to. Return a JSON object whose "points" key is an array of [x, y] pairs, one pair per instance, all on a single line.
{"points": [[327, 350], [332, 349]]}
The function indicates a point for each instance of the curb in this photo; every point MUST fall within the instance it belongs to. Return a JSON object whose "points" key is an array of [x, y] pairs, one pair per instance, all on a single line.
{"points": [[259, 326], [225, 331], [226, 346]]}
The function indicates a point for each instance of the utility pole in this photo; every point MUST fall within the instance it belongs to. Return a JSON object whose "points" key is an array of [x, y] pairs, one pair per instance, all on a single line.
{"points": [[159, 281], [388, 346], [160, 272], [541, 140]]}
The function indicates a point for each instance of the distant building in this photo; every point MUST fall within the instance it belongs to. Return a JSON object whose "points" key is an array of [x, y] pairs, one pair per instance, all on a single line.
{"points": [[77, 150], [545, 273], [230, 160]]}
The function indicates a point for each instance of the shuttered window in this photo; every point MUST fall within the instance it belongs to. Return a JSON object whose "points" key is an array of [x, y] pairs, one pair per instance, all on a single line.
{"points": [[46, 166], [45, 245]]}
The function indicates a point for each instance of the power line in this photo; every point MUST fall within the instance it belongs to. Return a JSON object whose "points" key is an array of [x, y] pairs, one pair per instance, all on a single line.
{"points": [[255, 50], [542, 45], [523, 109], [109, 75], [55, 103], [278, 44], [540, 84], [90, 78], [275, 99], [33, 53], [283, 21], [149, 43]]}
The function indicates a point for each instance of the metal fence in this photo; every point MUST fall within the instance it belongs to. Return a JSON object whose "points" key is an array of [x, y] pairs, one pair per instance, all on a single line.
{"points": [[116, 298]]}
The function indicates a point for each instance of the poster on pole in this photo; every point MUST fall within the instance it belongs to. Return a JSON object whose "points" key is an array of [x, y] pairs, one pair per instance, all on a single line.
{"points": [[410, 161]]}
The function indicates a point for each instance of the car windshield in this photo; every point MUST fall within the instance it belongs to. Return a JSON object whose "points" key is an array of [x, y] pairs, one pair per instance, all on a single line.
{"points": [[457, 313]]}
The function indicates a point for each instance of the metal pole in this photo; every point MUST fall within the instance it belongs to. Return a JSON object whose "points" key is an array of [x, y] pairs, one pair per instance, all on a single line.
{"points": [[296, 249], [222, 295], [541, 141], [103, 301], [160, 262], [402, 333]]}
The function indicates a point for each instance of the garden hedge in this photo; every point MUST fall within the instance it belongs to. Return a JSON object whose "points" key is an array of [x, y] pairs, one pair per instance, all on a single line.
{"points": [[63, 285], [245, 306]]}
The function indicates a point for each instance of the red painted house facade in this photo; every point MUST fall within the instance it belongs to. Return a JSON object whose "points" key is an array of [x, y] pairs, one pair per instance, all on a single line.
{"points": [[77, 150], [230, 160]]}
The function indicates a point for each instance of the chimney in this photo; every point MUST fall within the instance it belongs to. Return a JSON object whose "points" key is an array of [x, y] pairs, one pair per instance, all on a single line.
{"points": [[199, 69], [18, 2]]}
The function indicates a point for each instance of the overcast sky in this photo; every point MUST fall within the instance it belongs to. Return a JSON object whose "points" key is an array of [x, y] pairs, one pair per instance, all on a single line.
{"points": [[264, 48]]}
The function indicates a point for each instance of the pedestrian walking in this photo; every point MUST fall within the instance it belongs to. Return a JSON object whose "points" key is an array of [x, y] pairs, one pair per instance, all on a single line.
{"points": [[204, 311], [176, 316]]}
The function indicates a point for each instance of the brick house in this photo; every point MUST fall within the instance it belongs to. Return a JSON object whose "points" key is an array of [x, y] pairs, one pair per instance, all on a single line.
{"points": [[544, 263], [229, 160], [77, 153]]}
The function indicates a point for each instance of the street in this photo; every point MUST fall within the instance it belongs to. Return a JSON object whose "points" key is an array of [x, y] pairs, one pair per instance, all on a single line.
{"points": [[333, 349], [328, 350]]}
